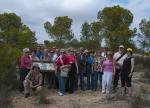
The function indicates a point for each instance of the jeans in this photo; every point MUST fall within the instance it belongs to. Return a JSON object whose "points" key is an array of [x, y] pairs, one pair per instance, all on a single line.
{"points": [[81, 76], [62, 84], [94, 79], [89, 72], [22, 73], [59, 81]]}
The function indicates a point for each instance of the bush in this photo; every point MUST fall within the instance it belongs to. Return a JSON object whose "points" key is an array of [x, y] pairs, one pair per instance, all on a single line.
{"points": [[137, 101], [142, 63], [8, 75], [5, 101]]}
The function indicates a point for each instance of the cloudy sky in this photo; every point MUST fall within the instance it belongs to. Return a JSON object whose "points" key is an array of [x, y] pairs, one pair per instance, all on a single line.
{"points": [[35, 12]]}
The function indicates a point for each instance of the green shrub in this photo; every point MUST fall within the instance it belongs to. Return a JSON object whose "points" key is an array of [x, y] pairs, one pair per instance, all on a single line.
{"points": [[8, 74], [137, 101], [5, 101], [142, 63]]}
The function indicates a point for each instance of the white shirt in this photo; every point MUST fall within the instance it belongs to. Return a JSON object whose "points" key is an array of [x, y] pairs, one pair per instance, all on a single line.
{"points": [[120, 61], [103, 54], [54, 57]]}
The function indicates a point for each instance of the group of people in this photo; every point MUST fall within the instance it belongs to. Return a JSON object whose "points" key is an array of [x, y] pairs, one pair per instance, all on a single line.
{"points": [[102, 69]]}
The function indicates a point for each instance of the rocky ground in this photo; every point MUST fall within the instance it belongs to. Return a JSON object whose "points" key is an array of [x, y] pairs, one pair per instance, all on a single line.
{"points": [[84, 99]]}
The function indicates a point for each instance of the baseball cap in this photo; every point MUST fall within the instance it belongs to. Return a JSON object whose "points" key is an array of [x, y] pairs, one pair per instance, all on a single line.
{"points": [[121, 46]]}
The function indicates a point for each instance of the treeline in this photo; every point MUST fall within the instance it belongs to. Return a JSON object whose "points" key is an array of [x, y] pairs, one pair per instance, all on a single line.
{"points": [[112, 25]]}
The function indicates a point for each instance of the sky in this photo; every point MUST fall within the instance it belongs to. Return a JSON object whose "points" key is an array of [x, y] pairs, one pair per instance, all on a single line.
{"points": [[35, 12]]}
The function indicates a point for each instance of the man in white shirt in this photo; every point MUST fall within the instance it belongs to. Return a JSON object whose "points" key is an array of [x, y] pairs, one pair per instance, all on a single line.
{"points": [[118, 58]]}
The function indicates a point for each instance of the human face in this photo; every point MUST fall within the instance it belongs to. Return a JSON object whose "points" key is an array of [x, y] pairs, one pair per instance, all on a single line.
{"points": [[95, 54], [99, 53], [109, 56], [71, 52], [129, 53], [36, 70], [45, 51], [26, 53], [38, 48], [121, 49]]}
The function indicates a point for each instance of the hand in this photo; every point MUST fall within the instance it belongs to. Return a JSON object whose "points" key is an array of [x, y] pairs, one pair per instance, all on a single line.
{"points": [[61, 67], [113, 73], [29, 68], [130, 75], [35, 86], [118, 64], [31, 85]]}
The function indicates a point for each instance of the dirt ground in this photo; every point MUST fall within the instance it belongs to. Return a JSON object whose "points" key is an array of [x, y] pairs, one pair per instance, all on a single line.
{"points": [[80, 99]]}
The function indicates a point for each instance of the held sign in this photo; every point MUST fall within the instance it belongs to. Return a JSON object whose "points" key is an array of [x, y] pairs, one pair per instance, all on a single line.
{"points": [[45, 66]]}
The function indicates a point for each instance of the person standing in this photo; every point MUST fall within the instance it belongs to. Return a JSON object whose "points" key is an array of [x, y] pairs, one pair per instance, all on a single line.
{"points": [[62, 62], [33, 57], [57, 65], [46, 58], [127, 72], [96, 71], [89, 66], [81, 60], [108, 72], [39, 52], [73, 71], [25, 66], [54, 56], [118, 58], [104, 52]]}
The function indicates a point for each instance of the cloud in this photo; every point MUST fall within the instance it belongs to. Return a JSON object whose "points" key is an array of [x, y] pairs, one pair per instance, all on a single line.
{"points": [[35, 12]]}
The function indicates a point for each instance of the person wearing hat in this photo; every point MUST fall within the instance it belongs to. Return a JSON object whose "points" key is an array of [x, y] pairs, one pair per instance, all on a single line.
{"points": [[127, 72], [25, 66], [108, 73], [118, 58], [33, 80]]}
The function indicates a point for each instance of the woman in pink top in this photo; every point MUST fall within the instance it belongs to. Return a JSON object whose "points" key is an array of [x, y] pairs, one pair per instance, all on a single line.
{"points": [[25, 66], [109, 71]]}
